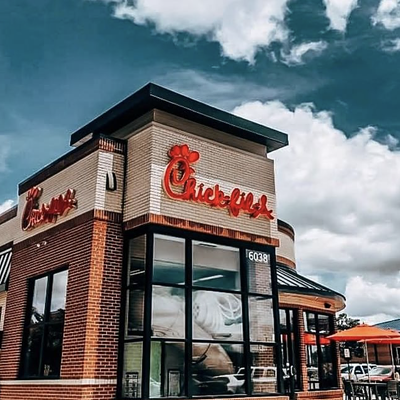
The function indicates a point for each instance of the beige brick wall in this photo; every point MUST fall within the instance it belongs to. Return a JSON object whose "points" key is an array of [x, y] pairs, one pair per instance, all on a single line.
{"points": [[8, 230], [286, 247], [219, 163], [88, 178]]}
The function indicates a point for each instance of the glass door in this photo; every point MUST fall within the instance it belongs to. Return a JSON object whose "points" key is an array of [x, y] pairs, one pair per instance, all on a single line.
{"points": [[290, 356]]}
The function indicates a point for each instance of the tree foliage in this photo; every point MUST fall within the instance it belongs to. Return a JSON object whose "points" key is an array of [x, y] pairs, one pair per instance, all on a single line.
{"points": [[343, 322]]}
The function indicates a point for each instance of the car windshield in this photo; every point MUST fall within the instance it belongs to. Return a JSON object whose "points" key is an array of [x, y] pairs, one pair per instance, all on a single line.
{"points": [[380, 371], [344, 370]]}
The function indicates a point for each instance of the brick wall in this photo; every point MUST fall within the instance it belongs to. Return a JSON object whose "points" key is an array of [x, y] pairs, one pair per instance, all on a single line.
{"points": [[148, 158], [93, 251]]}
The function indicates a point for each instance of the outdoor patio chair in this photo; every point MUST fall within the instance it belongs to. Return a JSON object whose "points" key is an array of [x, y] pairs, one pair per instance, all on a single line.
{"points": [[393, 390], [348, 389], [353, 392]]}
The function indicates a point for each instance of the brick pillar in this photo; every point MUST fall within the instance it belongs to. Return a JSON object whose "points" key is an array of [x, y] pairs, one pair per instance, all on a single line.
{"points": [[302, 352]]}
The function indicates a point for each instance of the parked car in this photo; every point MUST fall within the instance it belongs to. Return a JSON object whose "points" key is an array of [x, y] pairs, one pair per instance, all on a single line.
{"points": [[205, 385], [380, 373], [261, 374], [235, 382], [355, 371]]}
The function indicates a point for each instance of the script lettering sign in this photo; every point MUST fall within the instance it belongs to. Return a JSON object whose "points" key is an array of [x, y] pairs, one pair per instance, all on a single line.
{"points": [[180, 184]]}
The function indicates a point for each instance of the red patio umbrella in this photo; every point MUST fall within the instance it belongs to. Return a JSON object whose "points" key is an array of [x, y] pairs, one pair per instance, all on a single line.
{"points": [[311, 339], [387, 340], [363, 333]]}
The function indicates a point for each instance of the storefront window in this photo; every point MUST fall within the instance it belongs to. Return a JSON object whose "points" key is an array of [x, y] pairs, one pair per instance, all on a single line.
{"points": [[216, 266], [217, 369], [261, 319], [167, 369], [187, 317], [44, 331], [257, 264], [169, 260], [132, 371], [168, 309], [264, 372], [217, 316], [290, 349], [320, 352]]}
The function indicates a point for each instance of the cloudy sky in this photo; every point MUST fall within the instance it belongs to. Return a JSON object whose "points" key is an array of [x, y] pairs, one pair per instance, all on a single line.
{"points": [[324, 71]]}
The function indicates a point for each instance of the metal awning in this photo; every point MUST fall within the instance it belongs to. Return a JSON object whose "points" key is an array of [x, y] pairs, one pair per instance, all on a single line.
{"points": [[5, 265], [290, 281]]}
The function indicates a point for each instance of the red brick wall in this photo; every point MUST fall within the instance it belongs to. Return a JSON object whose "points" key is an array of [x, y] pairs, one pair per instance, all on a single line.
{"points": [[93, 250]]}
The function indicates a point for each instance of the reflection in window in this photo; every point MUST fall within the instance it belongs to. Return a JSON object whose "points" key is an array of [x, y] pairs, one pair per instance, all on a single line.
{"points": [[216, 266], [312, 366], [309, 322], [290, 349], [217, 315], [57, 307], [168, 312], [135, 311], [261, 319], [263, 369], [44, 333], [217, 368], [320, 352], [167, 369], [169, 259], [39, 299], [135, 292], [137, 260], [132, 375], [209, 309]]}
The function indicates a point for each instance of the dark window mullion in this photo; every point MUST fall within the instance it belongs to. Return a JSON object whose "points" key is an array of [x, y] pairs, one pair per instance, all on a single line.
{"points": [[246, 325], [319, 350], [147, 316], [189, 317], [47, 303]]}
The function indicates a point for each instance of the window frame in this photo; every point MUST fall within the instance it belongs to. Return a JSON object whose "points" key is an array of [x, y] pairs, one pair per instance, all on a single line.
{"points": [[45, 324], [190, 236], [333, 351]]}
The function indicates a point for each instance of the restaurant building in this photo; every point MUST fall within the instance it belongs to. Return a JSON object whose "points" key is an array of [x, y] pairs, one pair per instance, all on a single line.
{"points": [[150, 262]]}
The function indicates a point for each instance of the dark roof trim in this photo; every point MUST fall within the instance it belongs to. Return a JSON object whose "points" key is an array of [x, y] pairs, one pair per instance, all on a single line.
{"points": [[153, 96], [285, 225], [8, 214], [67, 160], [290, 281]]}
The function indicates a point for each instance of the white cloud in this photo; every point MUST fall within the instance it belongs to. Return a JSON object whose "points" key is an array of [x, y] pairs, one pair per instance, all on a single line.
{"points": [[338, 192], [372, 302], [6, 205], [391, 46], [241, 27], [388, 14], [296, 55], [338, 12], [4, 152], [227, 92]]}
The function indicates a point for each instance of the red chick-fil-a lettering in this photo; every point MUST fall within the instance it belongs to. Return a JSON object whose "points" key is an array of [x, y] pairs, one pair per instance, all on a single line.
{"points": [[180, 184], [35, 214]]}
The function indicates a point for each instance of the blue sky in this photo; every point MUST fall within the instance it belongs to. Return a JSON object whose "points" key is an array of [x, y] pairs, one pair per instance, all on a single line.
{"points": [[325, 72]]}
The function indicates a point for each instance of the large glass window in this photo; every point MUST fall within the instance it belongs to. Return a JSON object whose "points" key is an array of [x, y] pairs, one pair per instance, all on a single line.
{"points": [[320, 353], [199, 319], [45, 326]]}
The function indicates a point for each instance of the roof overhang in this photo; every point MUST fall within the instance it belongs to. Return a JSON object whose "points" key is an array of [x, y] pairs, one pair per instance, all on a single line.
{"points": [[153, 96]]}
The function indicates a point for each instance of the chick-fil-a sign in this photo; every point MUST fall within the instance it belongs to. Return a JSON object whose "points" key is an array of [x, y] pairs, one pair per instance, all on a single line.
{"points": [[180, 184], [35, 214]]}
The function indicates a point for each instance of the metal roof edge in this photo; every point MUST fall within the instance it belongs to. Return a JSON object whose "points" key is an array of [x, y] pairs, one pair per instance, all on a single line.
{"points": [[153, 96]]}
